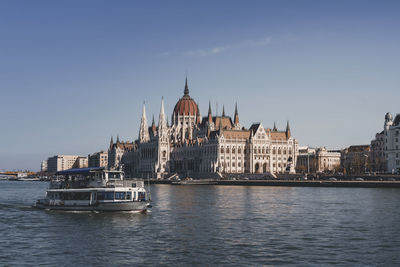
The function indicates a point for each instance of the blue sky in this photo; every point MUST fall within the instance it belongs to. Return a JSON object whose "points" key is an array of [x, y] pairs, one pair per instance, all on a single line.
{"points": [[73, 73]]}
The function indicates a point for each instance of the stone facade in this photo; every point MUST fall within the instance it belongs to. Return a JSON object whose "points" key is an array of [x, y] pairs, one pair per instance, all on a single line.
{"points": [[356, 159], [318, 160], [65, 162], [98, 159], [392, 143], [203, 145], [378, 163]]}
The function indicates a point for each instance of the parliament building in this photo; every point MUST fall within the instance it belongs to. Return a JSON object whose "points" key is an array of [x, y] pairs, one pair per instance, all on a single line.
{"points": [[196, 145]]}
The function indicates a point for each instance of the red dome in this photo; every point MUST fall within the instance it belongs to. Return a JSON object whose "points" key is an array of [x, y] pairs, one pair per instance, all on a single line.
{"points": [[186, 106]]}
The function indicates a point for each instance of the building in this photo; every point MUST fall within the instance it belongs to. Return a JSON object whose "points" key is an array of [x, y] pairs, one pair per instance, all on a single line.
{"points": [[318, 160], [391, 143], [116, 151], [43, 166], [98, 159], [356, 159], [193, 144], [378, 163], [65, 162]]}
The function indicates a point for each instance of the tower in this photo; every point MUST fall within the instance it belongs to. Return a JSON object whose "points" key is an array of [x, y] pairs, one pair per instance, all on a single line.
{"points": [[288, 134], [144, 132], [163, 143], [236, 118]]}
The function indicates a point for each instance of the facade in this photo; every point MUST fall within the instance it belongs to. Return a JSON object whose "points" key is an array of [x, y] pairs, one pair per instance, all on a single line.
{"points": [[65, 162], [98, 159], [318, 160], [43, 166], [356, 159], [391, 143], [201, 145], [378, 163]]}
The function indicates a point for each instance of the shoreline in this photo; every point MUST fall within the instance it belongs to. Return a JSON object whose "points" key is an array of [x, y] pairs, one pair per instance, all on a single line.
{"points": [[290, 183]]}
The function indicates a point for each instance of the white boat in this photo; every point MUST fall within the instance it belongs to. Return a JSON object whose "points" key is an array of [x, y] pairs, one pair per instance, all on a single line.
{"points": [[95, 189]]}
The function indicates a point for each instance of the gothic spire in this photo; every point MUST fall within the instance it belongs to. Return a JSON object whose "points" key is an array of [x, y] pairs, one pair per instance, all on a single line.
{"points": [[153, 125], [162, 123], [209, 113], [117, 138], [144, 132], [186, 91], [288, 133], [236, 119], [274, 129], [111, 142], [223, 110]]}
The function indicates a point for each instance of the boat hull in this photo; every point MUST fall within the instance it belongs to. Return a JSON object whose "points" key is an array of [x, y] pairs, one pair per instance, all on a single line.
{"points": [[124, 206]]}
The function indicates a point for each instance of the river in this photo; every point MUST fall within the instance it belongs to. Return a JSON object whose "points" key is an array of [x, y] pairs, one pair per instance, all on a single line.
{"points": [[208, 226]]}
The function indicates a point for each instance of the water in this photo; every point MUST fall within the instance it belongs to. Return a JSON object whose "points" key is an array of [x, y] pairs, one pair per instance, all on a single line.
{"points": [[208, 226]]}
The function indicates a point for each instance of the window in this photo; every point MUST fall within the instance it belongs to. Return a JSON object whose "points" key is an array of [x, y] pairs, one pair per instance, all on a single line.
{"points": [[239, 150], [129, 195], [120, 195], [108, 195]]}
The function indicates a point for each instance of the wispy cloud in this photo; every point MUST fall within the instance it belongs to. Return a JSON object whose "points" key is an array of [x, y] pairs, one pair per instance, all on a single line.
{"points": [[219, 49], [223, 48]]}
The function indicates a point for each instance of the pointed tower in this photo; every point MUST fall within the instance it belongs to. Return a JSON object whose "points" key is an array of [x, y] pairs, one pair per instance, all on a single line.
{"points": [[223, 110], [144, 132], [288, 134], [274, 129], [209, 113], [186, 91], [118, 139], [153, 126], [111, 142], [162, 122], [236, 119]]}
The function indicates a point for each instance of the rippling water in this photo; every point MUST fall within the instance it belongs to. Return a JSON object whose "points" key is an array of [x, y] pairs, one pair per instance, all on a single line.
{"points": [[208, 226]]}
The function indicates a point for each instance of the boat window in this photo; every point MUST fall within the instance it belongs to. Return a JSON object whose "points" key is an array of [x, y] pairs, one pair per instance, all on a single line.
{"points": [[108, 195], [129, 195], [119, 195], [142, 196]]}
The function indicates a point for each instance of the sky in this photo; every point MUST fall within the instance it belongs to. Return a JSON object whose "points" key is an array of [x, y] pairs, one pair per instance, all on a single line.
{"points": [[75, 73]]}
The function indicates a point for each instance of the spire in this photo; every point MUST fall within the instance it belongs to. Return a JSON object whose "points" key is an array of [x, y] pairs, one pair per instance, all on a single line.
{"points": [[144, 132], [153, 125], [288, 133], [186, 91], [236, 119], [223, 110], [162, 123], [111, 142], [209, 113], [274, 129]]}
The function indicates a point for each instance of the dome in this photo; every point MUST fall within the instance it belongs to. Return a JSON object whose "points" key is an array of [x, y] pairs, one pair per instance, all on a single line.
{"points": [[186, 105]]}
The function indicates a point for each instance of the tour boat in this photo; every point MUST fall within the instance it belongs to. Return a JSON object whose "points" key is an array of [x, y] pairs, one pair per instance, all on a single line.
{"points": [[95, 189]]}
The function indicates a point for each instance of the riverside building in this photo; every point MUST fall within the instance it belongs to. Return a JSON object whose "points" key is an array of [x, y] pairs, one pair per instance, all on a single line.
{"points": [[196, 145], [392, 143]]}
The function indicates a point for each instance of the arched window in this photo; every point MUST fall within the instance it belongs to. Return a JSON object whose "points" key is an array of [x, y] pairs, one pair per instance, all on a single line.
{"points": [[227, 150], [222, 149], [284, 152], [274, 151], [240, 150], [164, 153], [233, 150], [263, 150]]}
